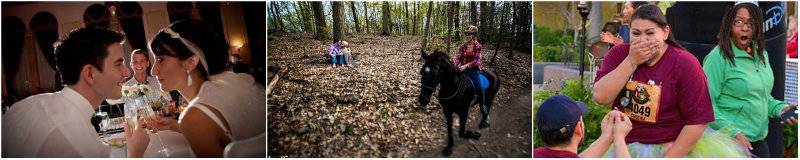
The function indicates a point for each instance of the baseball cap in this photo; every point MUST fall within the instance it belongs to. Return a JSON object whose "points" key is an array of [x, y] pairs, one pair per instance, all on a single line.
{"points": [[559, 114]]}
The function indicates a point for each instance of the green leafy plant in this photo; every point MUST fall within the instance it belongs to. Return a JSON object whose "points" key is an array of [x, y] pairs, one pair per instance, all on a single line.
{"points": [[547, 53], [790, 141]]}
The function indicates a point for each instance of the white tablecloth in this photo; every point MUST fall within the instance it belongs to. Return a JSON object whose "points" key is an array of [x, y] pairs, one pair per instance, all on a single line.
{"points": [[177, 145]]}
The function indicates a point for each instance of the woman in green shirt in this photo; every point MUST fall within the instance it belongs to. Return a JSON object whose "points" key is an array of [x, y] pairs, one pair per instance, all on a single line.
{"points": [[740, 80]]}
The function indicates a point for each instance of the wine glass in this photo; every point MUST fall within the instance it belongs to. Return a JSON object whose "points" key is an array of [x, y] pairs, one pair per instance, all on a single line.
{"points": [[108, 127], [147, 112]]}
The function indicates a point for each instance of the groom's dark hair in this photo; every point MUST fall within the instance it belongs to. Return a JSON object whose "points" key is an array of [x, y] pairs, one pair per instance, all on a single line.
{"points": [[81, 47]]}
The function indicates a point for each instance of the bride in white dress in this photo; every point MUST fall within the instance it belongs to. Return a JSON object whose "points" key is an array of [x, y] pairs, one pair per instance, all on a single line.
{"points": [[224, 107]]}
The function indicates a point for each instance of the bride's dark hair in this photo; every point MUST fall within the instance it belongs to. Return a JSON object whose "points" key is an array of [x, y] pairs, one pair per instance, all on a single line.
{"points": [[209, 41]]}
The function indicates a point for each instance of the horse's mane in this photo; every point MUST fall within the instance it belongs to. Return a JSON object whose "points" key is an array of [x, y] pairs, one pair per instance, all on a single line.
{"points": [[443, 58]]}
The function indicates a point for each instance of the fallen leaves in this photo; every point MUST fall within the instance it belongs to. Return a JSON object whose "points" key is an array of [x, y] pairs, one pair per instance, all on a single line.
{"points": [[368, 110]]}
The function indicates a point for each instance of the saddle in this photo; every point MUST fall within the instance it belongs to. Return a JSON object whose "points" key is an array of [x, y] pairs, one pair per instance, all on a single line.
{"points": [[483, 82]]}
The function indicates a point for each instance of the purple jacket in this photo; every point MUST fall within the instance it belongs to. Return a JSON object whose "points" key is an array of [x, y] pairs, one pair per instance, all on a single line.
{"points": [[333, 50], [462, 50]]}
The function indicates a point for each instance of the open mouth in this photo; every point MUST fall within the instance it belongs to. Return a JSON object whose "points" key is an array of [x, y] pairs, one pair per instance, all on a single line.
{"points": [[744, 41]]}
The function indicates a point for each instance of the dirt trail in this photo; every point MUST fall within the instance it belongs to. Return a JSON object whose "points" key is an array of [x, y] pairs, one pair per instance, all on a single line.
{"points": [[370, 110]]}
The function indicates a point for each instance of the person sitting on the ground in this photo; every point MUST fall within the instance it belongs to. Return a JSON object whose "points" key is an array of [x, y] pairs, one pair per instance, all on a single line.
{"points": [[344, 50], [333, 52], [560, 123]]}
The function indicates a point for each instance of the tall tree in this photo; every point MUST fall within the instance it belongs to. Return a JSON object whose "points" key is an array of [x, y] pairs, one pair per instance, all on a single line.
{"points": [[387, 22], [276, 16], [487, 20], [473, 13], [338, 20], [450, 16], [457, 19], [522, 22], [355, 16], [427, 26], [416, 9], [320, 20], [308, 16], [366, 18], [298, 15], [406, 22], [502, 32]]}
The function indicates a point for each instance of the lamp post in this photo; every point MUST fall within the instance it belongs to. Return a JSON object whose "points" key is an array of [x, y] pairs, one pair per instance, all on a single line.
{"points": [[583, 10]]}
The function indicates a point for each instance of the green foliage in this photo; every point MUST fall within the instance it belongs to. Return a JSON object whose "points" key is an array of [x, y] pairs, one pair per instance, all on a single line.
{"points": [[575, 90], [790, 141], [549, 37], [549, 43], [547, 53]]}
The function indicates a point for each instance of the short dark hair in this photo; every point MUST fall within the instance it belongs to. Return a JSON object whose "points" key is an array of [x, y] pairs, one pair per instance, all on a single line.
{"points": [[81, 47], [212, 43], [554, 137], [637, 4]]}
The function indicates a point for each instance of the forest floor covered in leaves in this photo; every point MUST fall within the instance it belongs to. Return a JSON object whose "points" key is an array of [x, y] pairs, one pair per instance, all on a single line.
{"points": [[371, 109]]}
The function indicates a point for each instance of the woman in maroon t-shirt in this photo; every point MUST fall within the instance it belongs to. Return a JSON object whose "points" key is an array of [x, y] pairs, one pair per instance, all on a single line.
{"points": [[662, 88]]}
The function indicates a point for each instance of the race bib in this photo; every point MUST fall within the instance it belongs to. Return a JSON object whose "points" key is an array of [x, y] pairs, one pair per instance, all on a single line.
{"points": [[640, 101]]}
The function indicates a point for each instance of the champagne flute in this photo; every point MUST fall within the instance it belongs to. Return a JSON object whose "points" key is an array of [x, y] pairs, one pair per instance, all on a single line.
{"points": [[147, 112]]}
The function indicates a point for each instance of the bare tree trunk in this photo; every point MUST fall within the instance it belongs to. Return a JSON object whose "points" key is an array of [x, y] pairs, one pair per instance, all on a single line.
{"points": [[276, 16], [473, 13], [503, 27], [309, 17], [457, 20], [405, 21], [299, 16], [320, 20], [355, 16], [427, 26], [366, 18], [338, 20], [387, 23], [450, 15], [487, 18], [416, 9]]}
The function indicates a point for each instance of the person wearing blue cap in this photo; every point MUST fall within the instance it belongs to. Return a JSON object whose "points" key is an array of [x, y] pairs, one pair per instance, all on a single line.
{"points": [[560, 123]]}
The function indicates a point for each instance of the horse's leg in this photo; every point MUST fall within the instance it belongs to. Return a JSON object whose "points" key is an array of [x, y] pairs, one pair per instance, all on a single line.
{"points": [[485, 109], [463, 132], [486, 106], [448, 115]]}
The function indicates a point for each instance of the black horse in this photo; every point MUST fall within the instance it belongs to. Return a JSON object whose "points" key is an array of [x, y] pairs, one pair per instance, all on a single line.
{"points": [[456, 94]]}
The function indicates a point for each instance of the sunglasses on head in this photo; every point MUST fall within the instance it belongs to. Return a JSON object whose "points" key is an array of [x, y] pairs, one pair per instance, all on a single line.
{"points": [[469, 33]]}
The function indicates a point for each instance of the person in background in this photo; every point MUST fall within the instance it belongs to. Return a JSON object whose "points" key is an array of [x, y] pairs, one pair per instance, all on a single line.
{"points": [[560, 123], [333, 52], [740, 80], [347, 56], [140, 63], [624, 29]]}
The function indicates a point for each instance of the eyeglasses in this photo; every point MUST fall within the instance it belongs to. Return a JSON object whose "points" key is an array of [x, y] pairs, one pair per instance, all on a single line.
{"points": [[741, 23]]}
